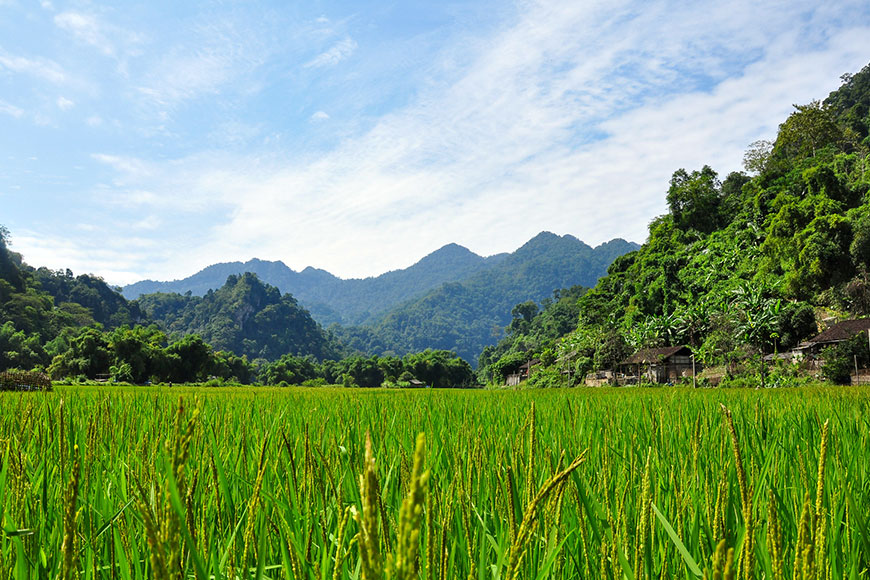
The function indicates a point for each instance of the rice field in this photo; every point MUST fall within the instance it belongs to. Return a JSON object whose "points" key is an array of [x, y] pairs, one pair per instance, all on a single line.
{"points": [[369, 484]]}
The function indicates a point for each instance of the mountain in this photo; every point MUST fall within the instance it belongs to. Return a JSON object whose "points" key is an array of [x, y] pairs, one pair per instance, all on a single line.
{"points": [[331, 299], [244, 316], [468, 315]]}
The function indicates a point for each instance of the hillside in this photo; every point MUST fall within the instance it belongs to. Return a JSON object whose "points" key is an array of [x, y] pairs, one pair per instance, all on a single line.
{"points": [[42, 310], [739, 267], [331, 299], [469, 315], [244, 316]]}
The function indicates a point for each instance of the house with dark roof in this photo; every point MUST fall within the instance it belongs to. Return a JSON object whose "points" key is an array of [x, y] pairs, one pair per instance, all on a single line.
{"points": [[522, 373], [835, 334], [659, 365]]}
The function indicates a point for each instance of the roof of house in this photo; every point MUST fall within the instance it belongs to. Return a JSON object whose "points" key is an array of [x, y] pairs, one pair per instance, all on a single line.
{"points": [[842, 331], [527, 366], [655, 355]]}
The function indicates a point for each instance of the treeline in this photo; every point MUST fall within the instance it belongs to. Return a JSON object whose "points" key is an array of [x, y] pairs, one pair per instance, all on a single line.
{"points": [[141, 355], [737, 268], [78, 328]]}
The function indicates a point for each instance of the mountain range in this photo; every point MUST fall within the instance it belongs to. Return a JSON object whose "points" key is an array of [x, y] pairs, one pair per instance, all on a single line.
{"points": [[452, 299], [360, 300]]}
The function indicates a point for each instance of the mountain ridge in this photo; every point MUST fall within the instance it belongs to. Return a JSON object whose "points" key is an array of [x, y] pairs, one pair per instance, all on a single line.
{"points": [[352, 301]]}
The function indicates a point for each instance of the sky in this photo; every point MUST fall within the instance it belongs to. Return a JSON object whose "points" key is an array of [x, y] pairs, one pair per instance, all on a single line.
{"points": [[151, 139]]}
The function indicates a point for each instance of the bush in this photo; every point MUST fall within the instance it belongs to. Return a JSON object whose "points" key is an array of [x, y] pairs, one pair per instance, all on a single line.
{"points": [[318, 382]]}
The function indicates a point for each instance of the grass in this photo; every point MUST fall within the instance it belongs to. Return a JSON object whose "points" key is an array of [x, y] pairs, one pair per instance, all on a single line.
{"points": [[133, 482]]}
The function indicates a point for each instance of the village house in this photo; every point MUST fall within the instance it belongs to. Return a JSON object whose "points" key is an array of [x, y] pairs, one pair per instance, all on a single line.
{"points": [[522, 374], [657, 365], [835, 334]]}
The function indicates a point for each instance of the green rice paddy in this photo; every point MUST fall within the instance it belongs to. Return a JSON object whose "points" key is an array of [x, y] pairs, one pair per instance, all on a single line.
{"points": [[582, 483]]}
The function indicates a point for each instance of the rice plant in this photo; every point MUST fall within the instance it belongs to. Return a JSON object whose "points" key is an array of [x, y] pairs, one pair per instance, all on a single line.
{"points": [[370, 484]]}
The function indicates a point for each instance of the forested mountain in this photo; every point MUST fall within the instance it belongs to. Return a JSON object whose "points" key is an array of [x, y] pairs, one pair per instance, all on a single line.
{"points": [[331, 299], [245, 316], [469, 315], [738, 267]]}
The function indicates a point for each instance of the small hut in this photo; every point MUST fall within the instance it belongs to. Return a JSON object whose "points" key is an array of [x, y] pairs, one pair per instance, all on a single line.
{"points": [[835, 334], [658, 365], [522, 373]]}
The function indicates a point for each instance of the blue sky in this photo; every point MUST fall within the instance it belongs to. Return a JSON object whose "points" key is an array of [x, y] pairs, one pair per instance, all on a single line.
{"points": [[148, 140]]}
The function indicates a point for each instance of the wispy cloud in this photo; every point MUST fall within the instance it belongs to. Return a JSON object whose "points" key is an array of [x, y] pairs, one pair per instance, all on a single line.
{"points": [[573, 120], [37, 67], [86, 28], [11, 110], [218, 54], [64, 104], [340, 51]]}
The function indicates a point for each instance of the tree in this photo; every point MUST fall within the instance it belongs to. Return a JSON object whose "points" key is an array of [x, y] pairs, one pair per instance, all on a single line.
{"points": [[189, 359], [756, 318], [693, 199], [88, 355], [137, 353], [522, 315], [757, 156], [808, 129], [840, 359]]}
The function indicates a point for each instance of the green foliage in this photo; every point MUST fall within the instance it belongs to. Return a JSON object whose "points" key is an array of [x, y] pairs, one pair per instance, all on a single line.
{"points": [[851, 102], [694, 199], [470, 315], [531, 334], [105, 304], [245, 316], [841, 359], [88, 355], [808, 130]]}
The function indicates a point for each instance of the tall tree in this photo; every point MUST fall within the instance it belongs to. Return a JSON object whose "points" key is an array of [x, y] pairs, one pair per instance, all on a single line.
{"points": [[693, 199]]}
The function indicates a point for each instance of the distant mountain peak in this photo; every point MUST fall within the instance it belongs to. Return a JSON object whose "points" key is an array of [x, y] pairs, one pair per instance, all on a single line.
{"points": [[449, 251]]}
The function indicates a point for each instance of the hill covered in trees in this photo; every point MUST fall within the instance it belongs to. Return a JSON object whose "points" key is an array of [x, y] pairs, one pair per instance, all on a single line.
{"points": [[740, 266], [468, 316], [527, 273], [245, 316]]}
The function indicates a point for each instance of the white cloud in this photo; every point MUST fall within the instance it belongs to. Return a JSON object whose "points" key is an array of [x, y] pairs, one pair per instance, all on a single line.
{"points": [[87, 28], [503, 151], [64, 104], [38, 67], [320, 116], [11, 110], [130, 167], [83, 254], [340, 51], [219, 53]]}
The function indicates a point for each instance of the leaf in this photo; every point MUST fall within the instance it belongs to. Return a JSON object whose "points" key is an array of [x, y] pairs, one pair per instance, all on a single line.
{"points": [[681, 547]]}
